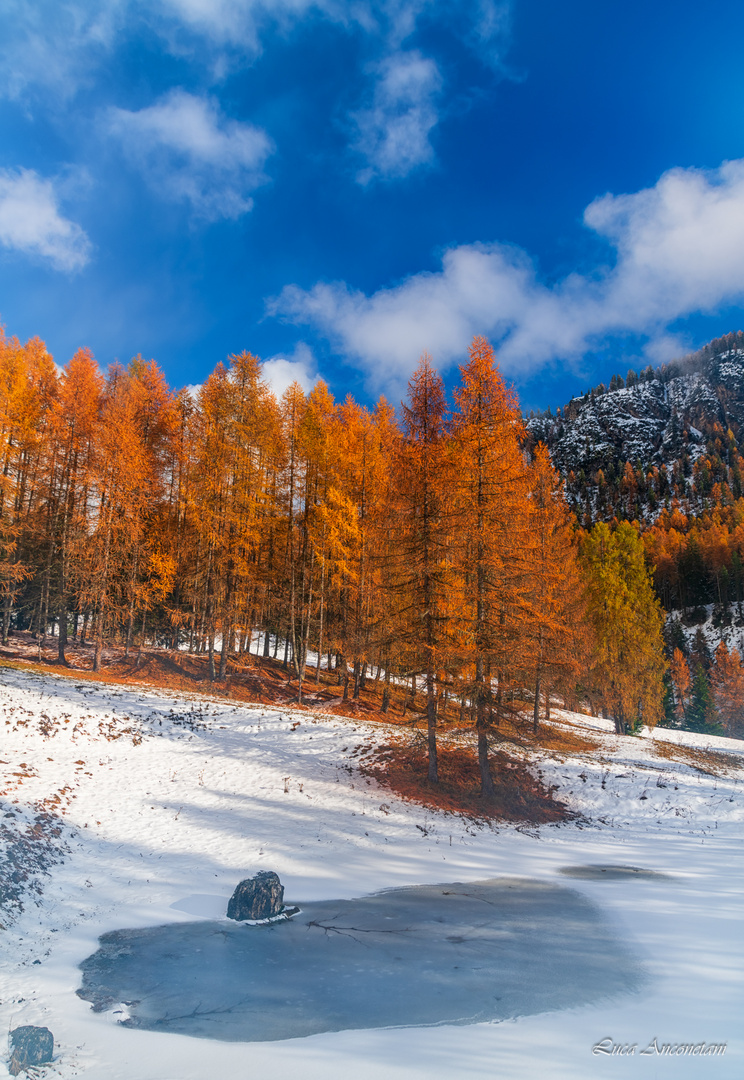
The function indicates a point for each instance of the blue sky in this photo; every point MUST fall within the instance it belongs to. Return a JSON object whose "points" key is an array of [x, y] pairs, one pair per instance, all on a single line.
{"points": [[340, 186]]}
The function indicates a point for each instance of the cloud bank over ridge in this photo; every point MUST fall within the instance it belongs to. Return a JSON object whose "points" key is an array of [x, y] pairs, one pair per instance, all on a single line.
{"points": [[679, 250]]}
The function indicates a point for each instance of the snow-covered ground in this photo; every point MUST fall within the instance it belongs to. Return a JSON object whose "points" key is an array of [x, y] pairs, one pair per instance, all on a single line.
{"points": [[167, 801]]}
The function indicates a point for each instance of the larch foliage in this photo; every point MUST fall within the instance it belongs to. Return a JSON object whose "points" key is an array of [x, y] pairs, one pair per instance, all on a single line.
{"points": [[422, 577], [559, 639], [331, 515], [124, 482], [28, 388], [294, 492], [628, 663], [75, 423]]}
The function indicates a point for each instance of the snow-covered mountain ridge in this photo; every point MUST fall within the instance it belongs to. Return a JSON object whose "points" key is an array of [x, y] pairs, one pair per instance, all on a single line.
{"points": [[668, 419]]}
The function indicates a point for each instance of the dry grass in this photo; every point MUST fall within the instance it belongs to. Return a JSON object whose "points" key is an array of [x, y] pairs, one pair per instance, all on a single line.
{"points": [[709, 762], [249, 679], [562, 740], [402, 767]]}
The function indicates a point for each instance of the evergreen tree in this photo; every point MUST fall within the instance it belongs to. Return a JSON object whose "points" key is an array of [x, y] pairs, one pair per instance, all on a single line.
{"points": [[700, 655], [701, 711], [670, 712]]}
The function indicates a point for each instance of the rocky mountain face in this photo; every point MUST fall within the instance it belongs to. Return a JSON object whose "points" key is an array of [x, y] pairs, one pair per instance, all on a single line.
{"points": [[664, 434]]}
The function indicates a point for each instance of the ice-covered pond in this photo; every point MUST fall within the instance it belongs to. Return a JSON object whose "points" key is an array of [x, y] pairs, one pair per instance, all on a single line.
{"points": [[427, 954]]}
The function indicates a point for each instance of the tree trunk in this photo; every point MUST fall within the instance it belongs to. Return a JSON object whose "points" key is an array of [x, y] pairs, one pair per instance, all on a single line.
{"points": [[62, 659], [142, 640], [130, 625], [487, 788], [99, 645], [386, 691], [431, 725], [210, 648], [226, 643], [320, 623], [536, 710]]}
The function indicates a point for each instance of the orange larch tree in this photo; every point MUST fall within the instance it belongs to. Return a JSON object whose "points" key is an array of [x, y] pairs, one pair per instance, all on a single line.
{"points": [[28, 386], [75, 425], [728, 690], [421, 574], [121, 490], [557, 628], [491, 535], [679, 671]]}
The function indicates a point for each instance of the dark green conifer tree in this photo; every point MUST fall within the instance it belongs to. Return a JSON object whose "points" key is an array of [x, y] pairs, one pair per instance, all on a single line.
{"points": [[671, 720], [701, 712]]}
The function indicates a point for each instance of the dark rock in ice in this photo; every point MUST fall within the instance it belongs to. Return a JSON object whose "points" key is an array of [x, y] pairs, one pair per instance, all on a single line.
{"points": [[608, 872], [428, 954], [29, 1046], [259, 897]]}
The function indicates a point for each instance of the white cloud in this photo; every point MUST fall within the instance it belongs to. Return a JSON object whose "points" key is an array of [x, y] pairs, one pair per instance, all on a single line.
{"points": [[242, 21], [679, 250], [404, 85], [58, 47], [483, 24], [393, 134], [30, 221], [280, 372], [680, 243], [490, 27], [55, 46], [187, 149]]}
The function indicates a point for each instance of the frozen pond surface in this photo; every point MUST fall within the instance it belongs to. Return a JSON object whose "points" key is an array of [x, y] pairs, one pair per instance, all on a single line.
{"points": [[428, 954]]}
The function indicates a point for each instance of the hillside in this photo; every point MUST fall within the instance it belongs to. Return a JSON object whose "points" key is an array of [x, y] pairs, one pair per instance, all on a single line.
{"points": [[128, 810]]}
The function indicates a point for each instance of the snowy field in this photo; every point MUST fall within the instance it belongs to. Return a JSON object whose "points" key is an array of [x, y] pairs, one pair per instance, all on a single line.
{"points": [[167, 801]]}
